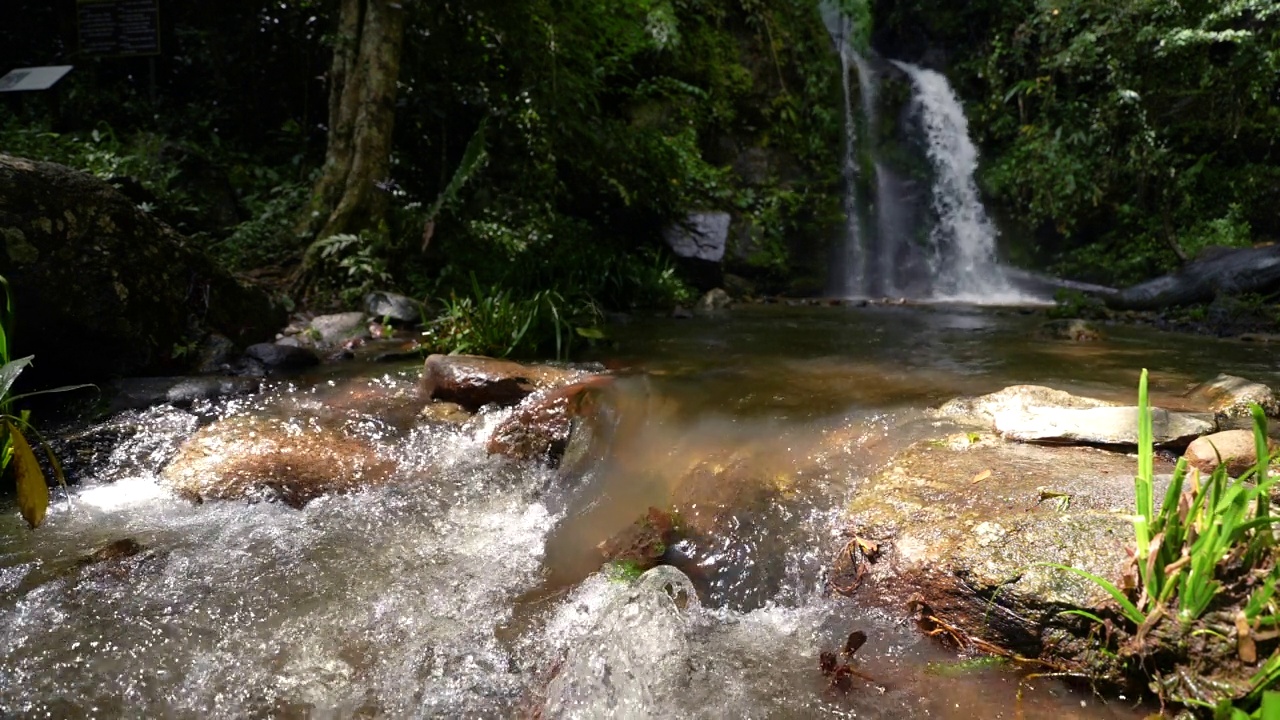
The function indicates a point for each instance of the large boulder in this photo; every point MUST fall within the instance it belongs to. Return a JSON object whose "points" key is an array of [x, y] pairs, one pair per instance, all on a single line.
{"points": [[247, 457], [539, 428], [1226, 271], [103, 289], [968, 531]]}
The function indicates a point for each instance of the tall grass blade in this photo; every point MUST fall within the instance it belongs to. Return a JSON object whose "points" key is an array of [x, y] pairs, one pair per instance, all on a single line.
{"points": [[1127, 607]]}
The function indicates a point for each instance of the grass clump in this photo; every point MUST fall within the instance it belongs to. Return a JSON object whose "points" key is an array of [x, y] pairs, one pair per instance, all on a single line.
{"points": [[1198, 614]]}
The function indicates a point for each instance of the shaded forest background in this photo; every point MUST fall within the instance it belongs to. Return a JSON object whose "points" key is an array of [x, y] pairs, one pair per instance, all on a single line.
{"points": [[542, 146]]}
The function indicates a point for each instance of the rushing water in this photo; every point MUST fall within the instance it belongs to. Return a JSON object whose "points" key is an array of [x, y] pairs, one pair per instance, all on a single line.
{"points": [[469, 586]]}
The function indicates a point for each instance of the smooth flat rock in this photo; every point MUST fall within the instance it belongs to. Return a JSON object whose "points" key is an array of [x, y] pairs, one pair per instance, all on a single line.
{"points": [[984, 408], [1099, 426]]}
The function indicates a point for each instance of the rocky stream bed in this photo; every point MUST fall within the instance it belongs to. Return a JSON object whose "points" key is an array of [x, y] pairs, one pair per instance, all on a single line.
{"points": [[466, 537]]}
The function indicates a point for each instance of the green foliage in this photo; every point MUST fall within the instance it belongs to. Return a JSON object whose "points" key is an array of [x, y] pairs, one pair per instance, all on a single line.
{"points": [[1201, 541], [492, 321], [1075, 304], [15, 451], [1125, 132]]}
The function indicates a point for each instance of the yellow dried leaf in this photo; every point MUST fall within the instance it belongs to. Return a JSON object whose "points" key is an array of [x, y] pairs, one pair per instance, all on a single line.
{"points": [[980, 477], [33, 493]]}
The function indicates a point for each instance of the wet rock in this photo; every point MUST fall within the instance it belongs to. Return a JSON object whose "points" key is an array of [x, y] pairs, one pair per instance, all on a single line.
{"points": [[643, 544], [89, 269], [338, 328], [275, 356], [540, 427], [681, 313], [1234, 448], [964, 526], [247, 457], [473, 381], [393, 308], [1076, 330], [714, 300], [445, 413], [128, 547], [1229, 396], [139, 393], [1099, 426]]}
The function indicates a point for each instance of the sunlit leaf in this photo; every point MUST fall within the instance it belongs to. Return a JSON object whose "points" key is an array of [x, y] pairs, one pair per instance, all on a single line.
{"points": [[10, 372], [33, 493]]}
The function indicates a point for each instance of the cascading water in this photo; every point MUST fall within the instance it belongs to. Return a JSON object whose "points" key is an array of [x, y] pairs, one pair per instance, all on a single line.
{"points": [[883, 253], [851, 272], [962, 256]]}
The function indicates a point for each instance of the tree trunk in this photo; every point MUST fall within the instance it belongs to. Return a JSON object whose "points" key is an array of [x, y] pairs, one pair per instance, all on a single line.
{"points": [[362, 96]]}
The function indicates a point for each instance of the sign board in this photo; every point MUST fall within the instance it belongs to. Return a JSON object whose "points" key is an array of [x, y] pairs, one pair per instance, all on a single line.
{"points": [[118, 28], [33, 78]]}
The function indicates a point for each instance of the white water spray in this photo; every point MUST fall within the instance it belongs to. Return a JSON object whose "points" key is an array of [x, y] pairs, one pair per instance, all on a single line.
{"points": [[963, 241]]}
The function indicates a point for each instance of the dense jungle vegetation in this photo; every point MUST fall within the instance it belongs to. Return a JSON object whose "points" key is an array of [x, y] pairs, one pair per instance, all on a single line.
{"points": [[1127, 135], [541, 146]]}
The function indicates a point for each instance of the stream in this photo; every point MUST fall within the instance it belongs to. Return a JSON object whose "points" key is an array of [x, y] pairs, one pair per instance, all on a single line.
{"points": [[470, 586]]}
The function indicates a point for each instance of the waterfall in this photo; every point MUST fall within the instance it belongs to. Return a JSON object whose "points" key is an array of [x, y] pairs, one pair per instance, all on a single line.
{"points": [[962, 253], [886, 250], [851, 264]]}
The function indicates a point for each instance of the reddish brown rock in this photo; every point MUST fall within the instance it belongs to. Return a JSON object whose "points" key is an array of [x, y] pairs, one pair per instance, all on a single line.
{"points": [[539, 429], [245, 457], [643, 544], [473, 381], [1234, 448]]}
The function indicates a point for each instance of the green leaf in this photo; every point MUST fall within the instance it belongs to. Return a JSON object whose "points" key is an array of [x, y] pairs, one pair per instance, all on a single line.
{"points": [[9, 372], [64, 388], [33, 492], [591, 333], [1130, 610]]}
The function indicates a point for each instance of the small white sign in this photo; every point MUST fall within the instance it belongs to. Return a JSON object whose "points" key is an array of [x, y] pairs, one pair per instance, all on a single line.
{"points": [[33, 78]]}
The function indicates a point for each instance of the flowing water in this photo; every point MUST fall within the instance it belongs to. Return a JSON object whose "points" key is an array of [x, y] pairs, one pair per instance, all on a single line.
{"points": [[469, 586], [881, 255]]}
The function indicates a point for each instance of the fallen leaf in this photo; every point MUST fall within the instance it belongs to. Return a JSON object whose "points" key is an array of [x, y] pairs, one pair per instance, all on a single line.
{"points": [[33, 492], [1245, 644], [980, 477], [857, 639]]}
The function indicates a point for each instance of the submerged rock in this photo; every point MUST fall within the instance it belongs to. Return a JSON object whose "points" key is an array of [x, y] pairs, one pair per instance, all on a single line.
{"points": [[714, 300], [1229, 396], [1075, 329], [1236, 449], [644, 543], [473, 381], [245, 457], [634, 658], [138, 393], [966, 527]]}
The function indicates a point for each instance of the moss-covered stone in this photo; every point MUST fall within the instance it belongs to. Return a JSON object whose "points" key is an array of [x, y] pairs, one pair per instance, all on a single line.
{"points": [[106, 290]]}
